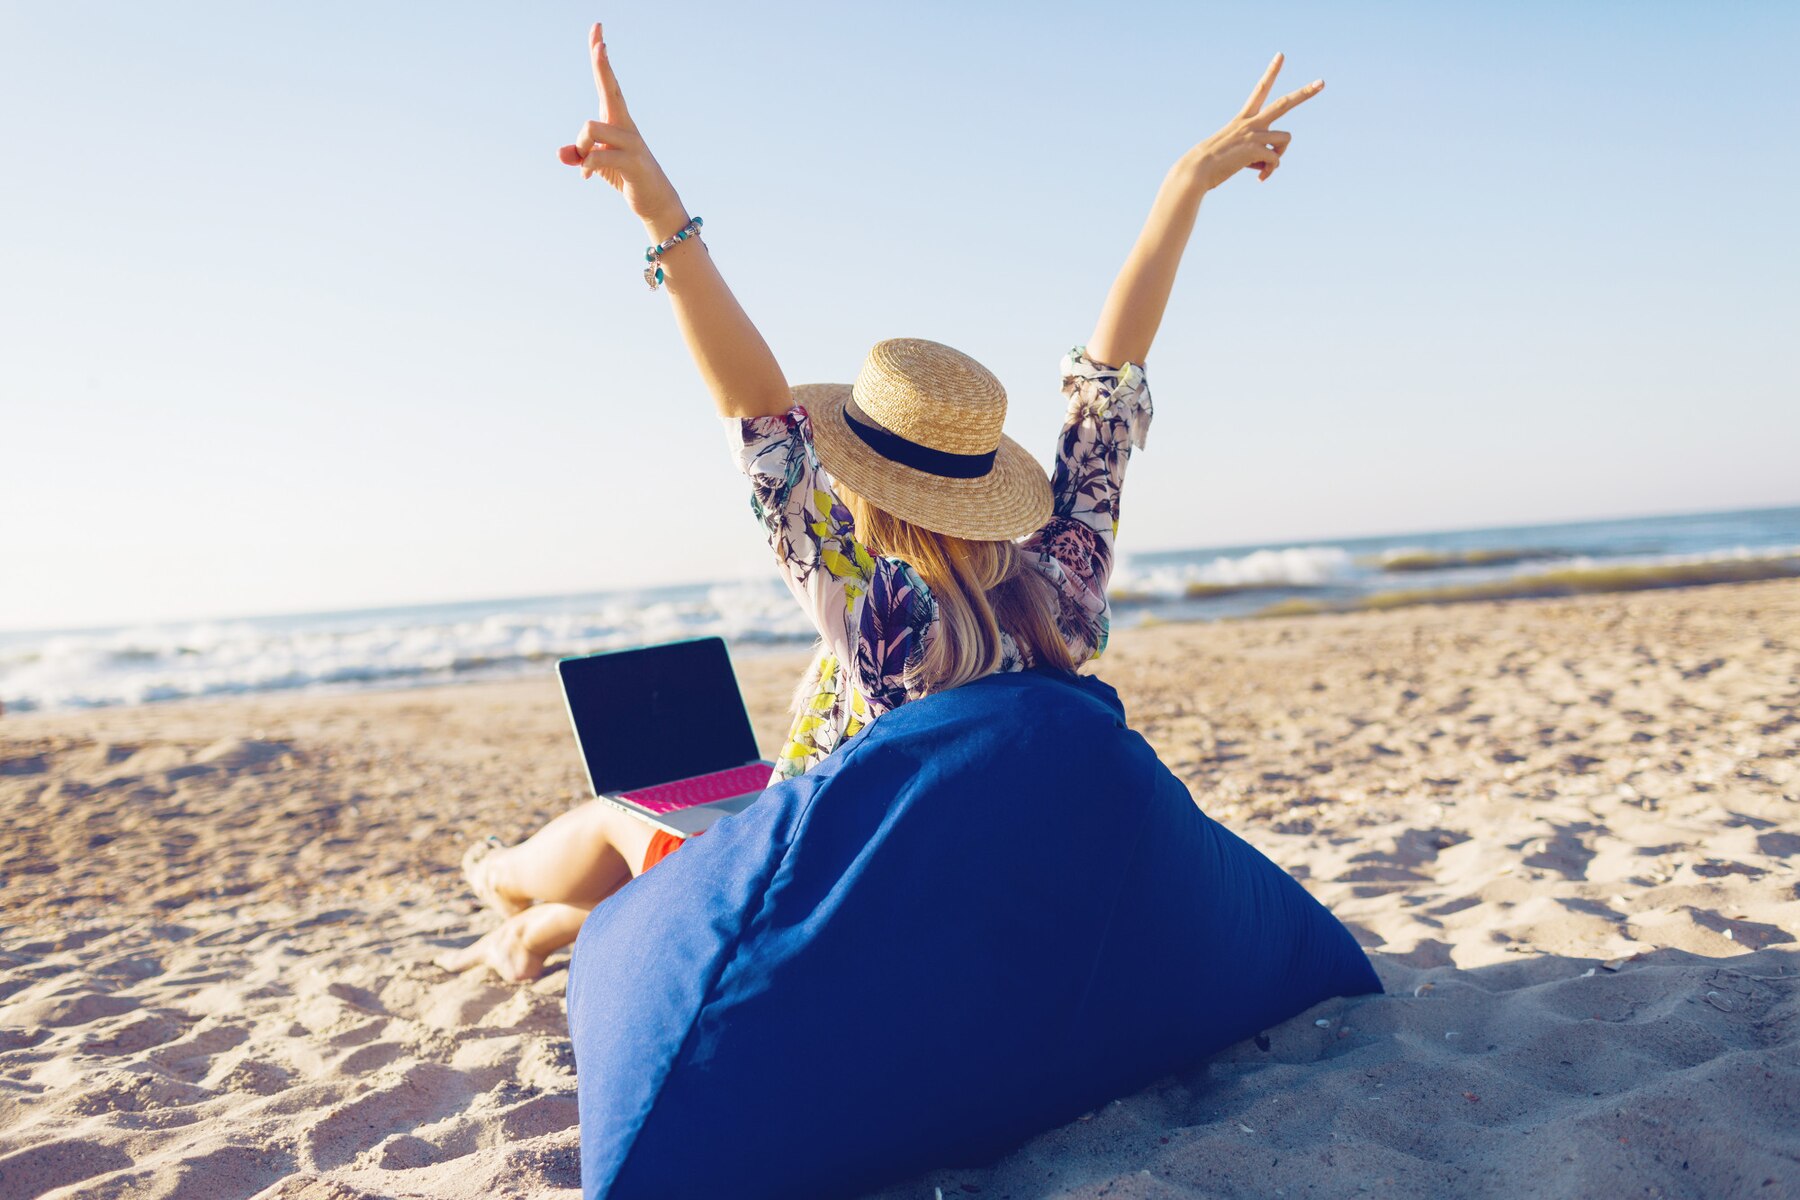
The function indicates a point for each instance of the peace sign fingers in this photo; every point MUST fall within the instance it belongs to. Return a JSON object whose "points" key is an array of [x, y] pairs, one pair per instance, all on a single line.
{"points": [[612, 100], [1260, 92], [1246, 141], [1288, 102]]}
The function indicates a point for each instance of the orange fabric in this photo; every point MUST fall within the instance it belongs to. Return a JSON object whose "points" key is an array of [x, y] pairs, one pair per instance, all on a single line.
{"points": [[662, 844]]}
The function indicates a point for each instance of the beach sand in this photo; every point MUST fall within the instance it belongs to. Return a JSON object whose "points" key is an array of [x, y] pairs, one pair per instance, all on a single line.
{"points": [[1566, 831]]}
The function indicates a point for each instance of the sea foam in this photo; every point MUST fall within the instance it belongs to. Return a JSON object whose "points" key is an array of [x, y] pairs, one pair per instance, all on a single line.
{"points": [[147, 663], [1297, 566], [466, 640]]}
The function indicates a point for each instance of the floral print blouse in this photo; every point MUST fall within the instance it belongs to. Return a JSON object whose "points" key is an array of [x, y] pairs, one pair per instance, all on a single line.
{"points": [[874, 613]]}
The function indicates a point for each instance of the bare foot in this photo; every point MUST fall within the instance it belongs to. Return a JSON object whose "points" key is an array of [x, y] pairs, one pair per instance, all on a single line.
{"points": [[503, 949], [478, 869]]}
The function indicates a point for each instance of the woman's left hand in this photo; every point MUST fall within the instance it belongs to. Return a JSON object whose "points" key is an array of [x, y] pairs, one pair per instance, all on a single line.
{"points": [[614, 149], [1246, 142]]}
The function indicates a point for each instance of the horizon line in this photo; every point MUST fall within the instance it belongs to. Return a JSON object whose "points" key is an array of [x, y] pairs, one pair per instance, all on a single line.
{"points": [[1263, 544]]}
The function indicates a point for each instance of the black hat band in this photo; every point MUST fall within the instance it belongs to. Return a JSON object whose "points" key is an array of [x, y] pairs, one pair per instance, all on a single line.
{"points": [[906, 452]]}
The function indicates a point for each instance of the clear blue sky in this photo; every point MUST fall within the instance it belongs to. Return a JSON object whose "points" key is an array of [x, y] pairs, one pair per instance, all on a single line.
{"points": [[299, 310]]}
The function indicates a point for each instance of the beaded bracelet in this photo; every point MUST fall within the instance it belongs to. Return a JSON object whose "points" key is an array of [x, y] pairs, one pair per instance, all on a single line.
{"points": [[653, 274]]}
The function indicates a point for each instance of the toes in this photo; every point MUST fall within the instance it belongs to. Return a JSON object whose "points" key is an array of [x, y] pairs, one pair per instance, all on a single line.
{"points": [[458, 961], [474, 954]]}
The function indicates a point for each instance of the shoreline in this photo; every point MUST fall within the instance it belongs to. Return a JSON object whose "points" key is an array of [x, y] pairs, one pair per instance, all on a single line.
{"points": [[791, 657], [1565, 830]]}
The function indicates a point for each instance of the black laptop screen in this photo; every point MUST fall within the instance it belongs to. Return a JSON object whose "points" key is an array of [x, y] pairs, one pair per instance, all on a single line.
{"points": [[656, 713]]}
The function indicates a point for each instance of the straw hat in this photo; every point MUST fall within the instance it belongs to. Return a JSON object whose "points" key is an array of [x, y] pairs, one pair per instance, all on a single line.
{"points": [[918, 434]]}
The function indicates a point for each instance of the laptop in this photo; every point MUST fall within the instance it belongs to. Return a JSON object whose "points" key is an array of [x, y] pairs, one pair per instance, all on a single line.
{"points": [[664, 733]]}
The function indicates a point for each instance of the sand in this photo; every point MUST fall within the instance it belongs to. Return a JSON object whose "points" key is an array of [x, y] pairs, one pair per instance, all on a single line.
{"points": [[1566, 831]]}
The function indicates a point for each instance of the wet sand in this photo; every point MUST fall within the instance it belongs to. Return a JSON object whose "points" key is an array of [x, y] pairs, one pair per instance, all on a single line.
{"points": [[1566, 830]]}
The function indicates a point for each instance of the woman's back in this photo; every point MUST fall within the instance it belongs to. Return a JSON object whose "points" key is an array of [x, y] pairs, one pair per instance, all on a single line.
{"points": [[877, 616]]}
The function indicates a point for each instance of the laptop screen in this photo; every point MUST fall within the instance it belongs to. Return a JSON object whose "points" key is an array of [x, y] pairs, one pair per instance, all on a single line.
{"points": [[653, 714]]}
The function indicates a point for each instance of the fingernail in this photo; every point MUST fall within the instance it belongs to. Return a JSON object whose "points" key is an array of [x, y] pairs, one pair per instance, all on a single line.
{"points": [[1317, 84]]}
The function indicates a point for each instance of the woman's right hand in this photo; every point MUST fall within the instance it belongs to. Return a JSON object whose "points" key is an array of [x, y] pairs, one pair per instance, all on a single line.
{"points": [[1246, 142], [613, 149]]}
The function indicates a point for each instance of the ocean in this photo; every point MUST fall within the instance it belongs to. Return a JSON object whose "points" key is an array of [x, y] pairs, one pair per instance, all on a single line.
{"points": [[435, 643]]}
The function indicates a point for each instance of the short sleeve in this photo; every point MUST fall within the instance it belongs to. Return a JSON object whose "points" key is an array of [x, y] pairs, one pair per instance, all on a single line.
{"points": [[1108, 414], [873, 611]]}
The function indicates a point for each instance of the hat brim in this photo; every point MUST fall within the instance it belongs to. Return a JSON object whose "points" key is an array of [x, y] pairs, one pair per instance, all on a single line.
{"points": [[1010, 501]]}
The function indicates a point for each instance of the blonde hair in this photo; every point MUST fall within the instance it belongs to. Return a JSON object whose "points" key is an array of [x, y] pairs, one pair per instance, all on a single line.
{"points": [[981, 588]]}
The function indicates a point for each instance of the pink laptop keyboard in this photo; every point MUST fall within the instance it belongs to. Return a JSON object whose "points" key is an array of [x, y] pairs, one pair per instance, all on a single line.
{"points": [[702, 789]]}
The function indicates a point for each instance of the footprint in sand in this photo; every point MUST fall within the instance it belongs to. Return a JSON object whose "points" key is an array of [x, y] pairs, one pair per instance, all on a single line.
{"points": [[133, 1090], [238, 754], [423, 1093], [151, 1029], [194, 1056], [76, 1008], [46, 1167]]}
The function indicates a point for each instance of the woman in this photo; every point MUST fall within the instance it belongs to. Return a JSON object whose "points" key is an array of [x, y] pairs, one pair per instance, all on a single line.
{"points": [[927, 546]]}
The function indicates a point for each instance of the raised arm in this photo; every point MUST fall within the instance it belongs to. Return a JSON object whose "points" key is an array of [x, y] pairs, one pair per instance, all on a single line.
{"points": [[1109, 412], [735, 362], [1134, 307]]}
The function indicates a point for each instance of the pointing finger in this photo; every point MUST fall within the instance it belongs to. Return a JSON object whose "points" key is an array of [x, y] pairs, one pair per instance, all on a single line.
{"points": [[1261, 91], [594, 43], [1288, 102], [612, 100]]}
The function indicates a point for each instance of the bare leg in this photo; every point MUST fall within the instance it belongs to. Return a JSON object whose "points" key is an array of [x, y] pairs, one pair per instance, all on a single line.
{"points": [[517, 949], [579, 858]]}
